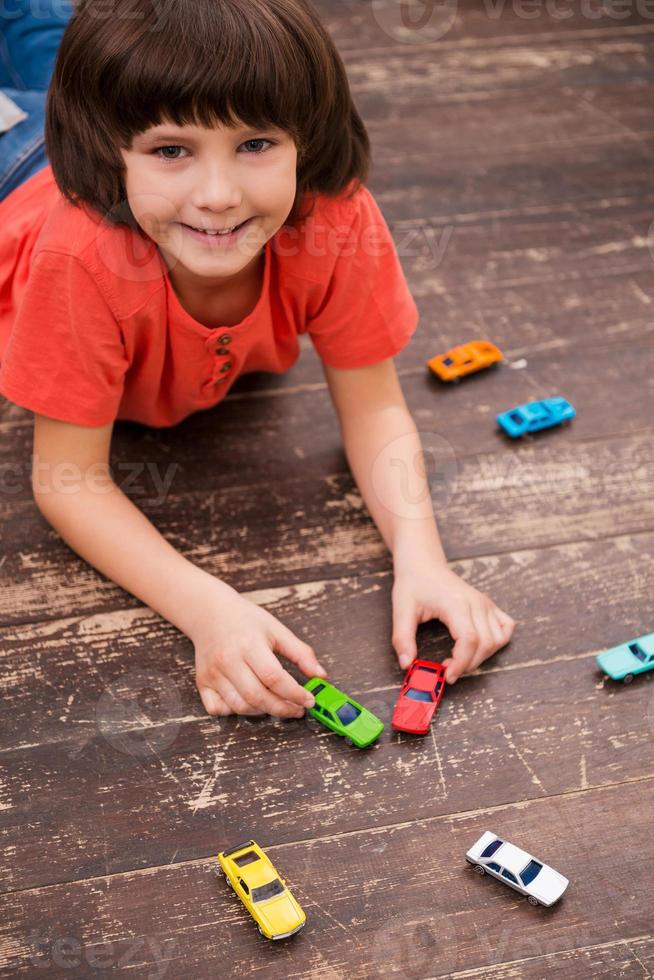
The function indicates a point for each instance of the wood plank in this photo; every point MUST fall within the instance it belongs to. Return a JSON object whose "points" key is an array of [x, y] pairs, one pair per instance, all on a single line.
{"points": [[544, 493], [514, 249], [135, 722], [457, 73], [470, 25], [544, 127], [395, 901], [624, 958], [608, 574], [525, 318], [497, 161]]}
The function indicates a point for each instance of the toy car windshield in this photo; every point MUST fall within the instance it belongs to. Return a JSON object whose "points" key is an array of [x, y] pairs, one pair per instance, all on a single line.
{"points": [[638, 652], [347, 713], [269, 890], [539, 410], [417, 695], [530, 872], [248, 858], [491, 848]]}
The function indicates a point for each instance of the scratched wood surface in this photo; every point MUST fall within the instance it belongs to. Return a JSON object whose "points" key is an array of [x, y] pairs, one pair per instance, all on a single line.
{"points": [[512, 161]]}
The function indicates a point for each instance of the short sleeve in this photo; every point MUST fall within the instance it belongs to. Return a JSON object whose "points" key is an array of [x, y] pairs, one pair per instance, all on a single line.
{"points": [[65, 356], [368, 313]]}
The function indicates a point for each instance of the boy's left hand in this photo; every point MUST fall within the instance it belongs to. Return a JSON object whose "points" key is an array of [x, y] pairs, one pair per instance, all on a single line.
{"points": [[430, 590]]}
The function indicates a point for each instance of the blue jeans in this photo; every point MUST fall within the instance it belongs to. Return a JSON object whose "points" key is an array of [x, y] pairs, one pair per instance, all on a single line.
{"points": [[30, 34]]}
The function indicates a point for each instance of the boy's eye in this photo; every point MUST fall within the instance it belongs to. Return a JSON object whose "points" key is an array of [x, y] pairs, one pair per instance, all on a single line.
{"points": [[257, 141], [162, 154], [162, 150]]}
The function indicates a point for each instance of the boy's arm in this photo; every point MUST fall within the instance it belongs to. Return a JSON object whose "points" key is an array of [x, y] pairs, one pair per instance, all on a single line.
{"points": [[74, 491], [385, 454], [236, 641]]}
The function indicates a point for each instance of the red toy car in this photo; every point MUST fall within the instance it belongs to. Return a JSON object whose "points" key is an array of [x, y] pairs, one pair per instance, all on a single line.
{"points": [[421, 693]]}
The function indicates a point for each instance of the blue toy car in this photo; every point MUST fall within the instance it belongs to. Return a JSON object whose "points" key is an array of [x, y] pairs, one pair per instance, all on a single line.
{"points": [[533, 416], [623, 662]]}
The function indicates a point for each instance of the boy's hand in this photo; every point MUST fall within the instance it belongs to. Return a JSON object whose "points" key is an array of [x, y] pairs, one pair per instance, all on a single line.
{"points": [[430, 590], [237, 671]]}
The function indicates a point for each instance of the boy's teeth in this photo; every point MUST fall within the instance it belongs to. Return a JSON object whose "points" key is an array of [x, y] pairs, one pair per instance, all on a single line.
{"points": [[227, 231]]}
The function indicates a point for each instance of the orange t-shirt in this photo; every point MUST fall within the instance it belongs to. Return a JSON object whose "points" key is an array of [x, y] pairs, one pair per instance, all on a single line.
{"points": [[91, 329]]}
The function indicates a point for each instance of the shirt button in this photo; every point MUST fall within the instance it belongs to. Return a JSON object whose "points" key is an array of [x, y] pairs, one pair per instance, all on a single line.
{"points": [[225, 338], [222, 350], [219, 380], [226, 366]]}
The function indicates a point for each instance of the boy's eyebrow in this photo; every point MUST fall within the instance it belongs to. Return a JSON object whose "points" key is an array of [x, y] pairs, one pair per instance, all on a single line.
{"points": [[148, 137]]}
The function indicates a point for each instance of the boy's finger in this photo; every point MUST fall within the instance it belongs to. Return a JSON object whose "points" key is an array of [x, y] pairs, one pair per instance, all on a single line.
{"points": [[213, 703], [404, 631], [255, 693], [486, 639], [237, 704], [296, 650], [274, 678], [499, 631], [462, 629], [506, 623]]}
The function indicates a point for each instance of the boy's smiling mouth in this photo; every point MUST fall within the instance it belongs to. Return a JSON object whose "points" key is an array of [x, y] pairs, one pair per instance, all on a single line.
{"points": [[217, 231], [216, 236]]}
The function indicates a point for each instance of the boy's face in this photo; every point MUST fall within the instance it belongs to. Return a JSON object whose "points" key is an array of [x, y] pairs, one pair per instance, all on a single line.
{"points": [[210, 179]]}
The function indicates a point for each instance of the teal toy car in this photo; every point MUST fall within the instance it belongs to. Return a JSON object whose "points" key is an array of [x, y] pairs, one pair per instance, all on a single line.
{"points": [[343, 715], [536, 415], [624, 662]]}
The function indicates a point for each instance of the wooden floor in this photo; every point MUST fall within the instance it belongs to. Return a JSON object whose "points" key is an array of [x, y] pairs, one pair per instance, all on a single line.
{"points": [[513, 162]]}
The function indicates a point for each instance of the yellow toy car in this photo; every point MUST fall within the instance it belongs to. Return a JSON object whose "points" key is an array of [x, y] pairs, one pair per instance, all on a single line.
{"points": [[465, 359], [252, 875]]}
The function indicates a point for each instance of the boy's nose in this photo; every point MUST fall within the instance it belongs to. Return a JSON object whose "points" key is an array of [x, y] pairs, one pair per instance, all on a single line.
{"points": [[218, 193]]}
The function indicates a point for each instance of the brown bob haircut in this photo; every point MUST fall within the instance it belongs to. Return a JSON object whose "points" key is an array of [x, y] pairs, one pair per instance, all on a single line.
{"points": [[125, 65]]}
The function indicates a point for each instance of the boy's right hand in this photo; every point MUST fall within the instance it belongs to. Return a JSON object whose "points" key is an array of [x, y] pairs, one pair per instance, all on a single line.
{"points": [[237, 671]]}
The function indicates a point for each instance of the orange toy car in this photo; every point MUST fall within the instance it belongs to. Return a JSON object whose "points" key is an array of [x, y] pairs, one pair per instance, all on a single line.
{"points": [[466, 359]]}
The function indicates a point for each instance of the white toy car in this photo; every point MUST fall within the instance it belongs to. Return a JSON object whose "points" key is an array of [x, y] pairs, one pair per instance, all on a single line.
{"points": [[541, 884]]}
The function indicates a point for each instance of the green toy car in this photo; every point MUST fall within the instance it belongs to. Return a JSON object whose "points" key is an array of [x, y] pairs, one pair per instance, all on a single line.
{"points": [[343, 715], [635, 657]]}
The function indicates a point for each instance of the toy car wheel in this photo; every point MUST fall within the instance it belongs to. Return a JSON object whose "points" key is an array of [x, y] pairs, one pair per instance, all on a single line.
{"points": [[261, 932], [348, 741], [479, 870], [532, 900], [627, 679], [230, 884]]}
